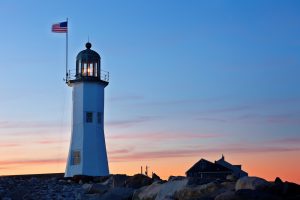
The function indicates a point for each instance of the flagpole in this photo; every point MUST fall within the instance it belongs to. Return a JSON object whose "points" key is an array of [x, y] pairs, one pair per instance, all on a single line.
{"points": [[67, 52]]}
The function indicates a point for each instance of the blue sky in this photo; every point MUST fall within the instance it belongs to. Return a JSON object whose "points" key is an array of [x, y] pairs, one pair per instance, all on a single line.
{"points": [[227, 71]]}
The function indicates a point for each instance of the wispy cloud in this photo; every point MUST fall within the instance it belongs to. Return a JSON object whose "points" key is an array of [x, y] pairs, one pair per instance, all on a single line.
{"points": [[226, 110], [120, 151], [164, 136], [254, 116], [126, 98], [190, 152], [286, 141], [130, 122], [50, 141], [182, 101], [32, 162], [10, 145], [29, 124]]}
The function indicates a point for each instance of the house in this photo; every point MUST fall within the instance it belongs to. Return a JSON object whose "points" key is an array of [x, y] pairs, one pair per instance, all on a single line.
{"points": [[219, 169], [236, 169]]}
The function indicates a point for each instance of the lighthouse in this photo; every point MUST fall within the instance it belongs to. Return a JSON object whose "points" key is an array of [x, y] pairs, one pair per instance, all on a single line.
{"points": [[87, 152]]}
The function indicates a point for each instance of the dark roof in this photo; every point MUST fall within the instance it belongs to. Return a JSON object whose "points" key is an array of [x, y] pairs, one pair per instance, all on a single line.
{"points": [[207, 166], [88, 54]]}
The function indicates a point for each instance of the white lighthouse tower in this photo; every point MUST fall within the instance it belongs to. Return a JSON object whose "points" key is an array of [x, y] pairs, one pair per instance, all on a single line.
{"points": [[87, 153]]}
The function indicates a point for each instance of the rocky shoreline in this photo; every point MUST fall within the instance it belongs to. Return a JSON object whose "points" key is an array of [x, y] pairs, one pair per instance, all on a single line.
{"points": [[141, 187]]}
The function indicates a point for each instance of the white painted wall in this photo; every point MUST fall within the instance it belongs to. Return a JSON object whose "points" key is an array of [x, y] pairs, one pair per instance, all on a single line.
{"points": [[88, 138]]}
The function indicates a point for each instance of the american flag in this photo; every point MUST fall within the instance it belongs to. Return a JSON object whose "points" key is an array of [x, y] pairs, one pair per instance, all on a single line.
{"points": [[60, 27]]}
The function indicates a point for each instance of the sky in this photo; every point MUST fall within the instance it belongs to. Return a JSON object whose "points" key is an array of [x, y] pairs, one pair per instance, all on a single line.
{"points": [[188, 80]]}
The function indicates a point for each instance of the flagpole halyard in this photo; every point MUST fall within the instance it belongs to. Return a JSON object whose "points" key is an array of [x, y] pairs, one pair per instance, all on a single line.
{"points": [[67, 50]]}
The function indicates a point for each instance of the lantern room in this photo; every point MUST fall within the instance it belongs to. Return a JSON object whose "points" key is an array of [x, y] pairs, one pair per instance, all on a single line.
{"points": [[88, 68], [88, 64]]}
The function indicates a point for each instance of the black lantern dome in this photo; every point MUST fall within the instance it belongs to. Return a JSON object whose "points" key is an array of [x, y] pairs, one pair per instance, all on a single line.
{"points": [[88, 64]]}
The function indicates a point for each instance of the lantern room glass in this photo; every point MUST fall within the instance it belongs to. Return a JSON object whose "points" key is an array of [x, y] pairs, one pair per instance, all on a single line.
{"points": [[88, 69]]}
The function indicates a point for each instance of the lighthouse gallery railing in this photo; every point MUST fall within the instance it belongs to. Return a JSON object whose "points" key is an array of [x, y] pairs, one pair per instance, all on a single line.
{"points": [[104, 75]]}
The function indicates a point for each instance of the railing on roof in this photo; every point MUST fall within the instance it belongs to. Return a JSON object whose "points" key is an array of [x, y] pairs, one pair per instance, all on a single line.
{"points": [[104, 75]]}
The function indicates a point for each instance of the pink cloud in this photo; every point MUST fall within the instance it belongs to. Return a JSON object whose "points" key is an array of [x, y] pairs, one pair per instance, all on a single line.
{"points": [[10, 145], [286, 141], [165, 136], [29, 124], [196, 152], [127, 123], [119, 151], [52, 141], [32, 162]]}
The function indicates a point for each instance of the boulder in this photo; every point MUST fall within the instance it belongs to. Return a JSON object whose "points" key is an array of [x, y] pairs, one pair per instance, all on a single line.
{"points": [[231, 177], [206, 191], [168, 190], [249, 194], [82, 178], [157, 191], [138, 181], [118, 193], [112, 181], [97, 188], [194, 181], [228, 185], [278, 180], [228, 195], [86, 187], [118, 180], [291, 189], [252, 183], [148, 192], [155, 177], [176, 178], [100, 179], [246, 194]]}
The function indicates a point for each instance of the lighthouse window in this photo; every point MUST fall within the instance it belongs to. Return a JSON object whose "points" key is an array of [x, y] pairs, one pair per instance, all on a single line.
{"points": [[76, 158], [89, 117], [84, 68], [99, 117], [96, 70], [79, 67], [90, 69]]}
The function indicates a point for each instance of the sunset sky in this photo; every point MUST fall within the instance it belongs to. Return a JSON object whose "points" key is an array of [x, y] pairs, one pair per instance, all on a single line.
{"points": [[188, 80]]}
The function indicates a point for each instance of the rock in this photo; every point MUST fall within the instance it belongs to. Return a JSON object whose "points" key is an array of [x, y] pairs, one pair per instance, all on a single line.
{"points": [[117, 180], [118, 193], [206, 191], [252, 183], [100, 179], [82, 178], [249, 194], [231, 177], [97, 188], [176, 178], [278, 180], [228, 195], [138, 181], [157, 191], [86, 187], [155, 177], [90, 196], [62, 181], [148, 192], [291, 189], [168, 190], [230, 186], [194, 181]]}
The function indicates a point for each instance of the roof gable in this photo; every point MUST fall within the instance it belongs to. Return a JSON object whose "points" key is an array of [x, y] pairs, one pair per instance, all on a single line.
{"points": [[206, 166]]}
